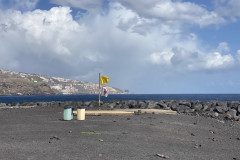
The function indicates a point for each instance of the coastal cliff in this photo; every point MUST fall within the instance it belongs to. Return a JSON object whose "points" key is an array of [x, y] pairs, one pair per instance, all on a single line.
{"points": [[17, 83]]}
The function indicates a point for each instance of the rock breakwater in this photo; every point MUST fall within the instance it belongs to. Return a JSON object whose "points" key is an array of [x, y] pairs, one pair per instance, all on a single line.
{"points": [[214, 109]]}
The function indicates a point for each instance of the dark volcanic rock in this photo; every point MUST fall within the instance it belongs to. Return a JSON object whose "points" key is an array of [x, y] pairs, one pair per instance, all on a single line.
{"points": [[221, 109], [197, 107], [232, 114], [183, 109]]}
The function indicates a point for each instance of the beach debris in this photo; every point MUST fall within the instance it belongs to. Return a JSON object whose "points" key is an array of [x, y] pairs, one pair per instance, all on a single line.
{"points": [[197, 145], [162, 156], [211, 131], [93, 132], [100, 140], [221, 121], [53, 138]]}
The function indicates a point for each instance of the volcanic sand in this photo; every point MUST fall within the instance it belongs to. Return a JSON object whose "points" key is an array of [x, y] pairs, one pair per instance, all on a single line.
{"points": [[40, 133]]}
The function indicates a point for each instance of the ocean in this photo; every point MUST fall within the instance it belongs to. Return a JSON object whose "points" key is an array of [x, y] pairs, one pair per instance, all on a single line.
{"points": [[49, 98]]}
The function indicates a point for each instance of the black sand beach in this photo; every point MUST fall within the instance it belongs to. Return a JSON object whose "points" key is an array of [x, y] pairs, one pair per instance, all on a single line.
{"points": [[39, 133]]}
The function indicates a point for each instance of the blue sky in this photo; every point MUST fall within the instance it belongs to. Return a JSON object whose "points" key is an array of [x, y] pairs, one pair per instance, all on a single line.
{"points": [[154, 46]]}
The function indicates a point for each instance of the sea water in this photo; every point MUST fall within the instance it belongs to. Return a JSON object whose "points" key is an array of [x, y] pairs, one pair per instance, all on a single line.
{"points": [[49, 98]]}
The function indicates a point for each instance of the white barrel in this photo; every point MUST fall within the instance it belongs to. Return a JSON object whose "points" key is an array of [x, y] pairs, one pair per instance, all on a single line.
{"points": [[81, 113]]}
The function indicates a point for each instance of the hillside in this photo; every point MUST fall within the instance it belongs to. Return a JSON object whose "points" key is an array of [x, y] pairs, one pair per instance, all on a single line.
{"points": [[17, 83]]}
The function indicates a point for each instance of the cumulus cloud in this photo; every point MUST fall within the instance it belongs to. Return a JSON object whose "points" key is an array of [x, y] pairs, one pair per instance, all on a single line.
{"points": [[171, 12], [183, 60], [124, 41], [216, 60], [163, 58]]}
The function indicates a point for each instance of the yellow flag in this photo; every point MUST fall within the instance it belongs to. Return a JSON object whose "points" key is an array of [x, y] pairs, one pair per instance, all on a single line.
{"points": [[104, 79]]}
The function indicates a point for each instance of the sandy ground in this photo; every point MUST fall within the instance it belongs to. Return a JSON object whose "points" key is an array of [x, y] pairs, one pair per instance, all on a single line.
{"points": [[39, 133]]}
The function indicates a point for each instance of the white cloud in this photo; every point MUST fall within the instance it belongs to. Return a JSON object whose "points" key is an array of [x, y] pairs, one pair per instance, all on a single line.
{"points": [[83, 4], [216, 60], [163, 58], [223, 47], [172, 12], [23, 5], [121, 42], [228, 8]]}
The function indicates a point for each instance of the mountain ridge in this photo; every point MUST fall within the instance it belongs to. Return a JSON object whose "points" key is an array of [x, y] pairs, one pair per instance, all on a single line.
{"points": [[19, 83]]}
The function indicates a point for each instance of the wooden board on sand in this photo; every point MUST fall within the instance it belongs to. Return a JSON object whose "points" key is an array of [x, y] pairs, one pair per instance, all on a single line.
{"points": [[152, 111], [105, 112], [125, 112]]}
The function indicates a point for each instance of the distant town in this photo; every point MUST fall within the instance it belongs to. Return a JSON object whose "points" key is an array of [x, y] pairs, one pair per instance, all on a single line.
{"points": [[17, 83]]}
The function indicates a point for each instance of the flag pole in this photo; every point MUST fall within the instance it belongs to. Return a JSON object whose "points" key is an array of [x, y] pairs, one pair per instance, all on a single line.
{"points": [[99, 92]]}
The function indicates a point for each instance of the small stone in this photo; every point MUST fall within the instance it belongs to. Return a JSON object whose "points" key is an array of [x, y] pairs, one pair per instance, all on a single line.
{"points": [[125, 132], [197, 145], [100, 155], [114, 121], [221, 121], [55, 137], [192, 134], [214, 139], [211, 131], [128, 118], [70, 132], [162, 156], [101, 140], [238, 139]]}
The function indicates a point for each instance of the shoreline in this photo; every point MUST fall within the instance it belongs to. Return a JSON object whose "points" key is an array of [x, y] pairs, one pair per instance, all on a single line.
{"points": [[223, 110]]}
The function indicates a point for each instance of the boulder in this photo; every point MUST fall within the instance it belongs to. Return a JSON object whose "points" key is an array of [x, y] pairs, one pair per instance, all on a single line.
{"points": [[197, 107], [111, 105], [142, 104], [186, 103], [221, 109], [86, 103], [152, 104], [212, 114], [232, 114], [205, 107], [2, 104], [219, 103], [163, 105], [132, 103], [184, 109], [174, 106]]}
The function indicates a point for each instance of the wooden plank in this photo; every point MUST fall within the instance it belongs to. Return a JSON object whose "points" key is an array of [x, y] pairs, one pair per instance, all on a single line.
{"points": [[105, 112], [155, 111], [125, 112]]}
